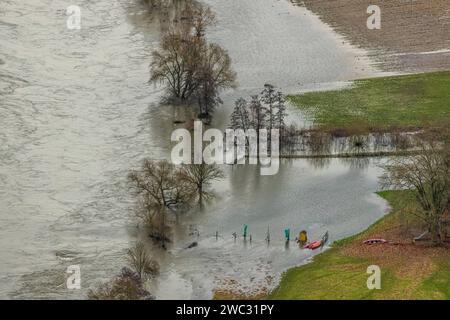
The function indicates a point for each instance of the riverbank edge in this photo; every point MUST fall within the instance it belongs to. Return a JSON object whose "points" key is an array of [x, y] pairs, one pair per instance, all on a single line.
{"points": [[227, 295], [330, 251]]}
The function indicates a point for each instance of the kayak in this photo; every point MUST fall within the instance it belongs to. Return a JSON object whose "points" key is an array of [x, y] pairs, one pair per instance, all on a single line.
{"points": [[313, 245]]}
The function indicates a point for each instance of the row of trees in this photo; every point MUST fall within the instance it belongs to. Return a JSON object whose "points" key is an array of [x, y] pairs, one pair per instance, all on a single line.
{"points": [[264, 111], [190, 67], [267, 110], [163, 188]]}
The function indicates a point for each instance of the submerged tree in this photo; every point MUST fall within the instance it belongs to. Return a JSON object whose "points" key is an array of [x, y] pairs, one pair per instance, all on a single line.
{"points": [[176, 63], [126, 286], [163, 188], [265, 111], [280, 113], [129, 284], [189, 66], [199, 18], [427, 175], [200, 176], [258, 115], [215, 74], [268, 96], [141, 262]]}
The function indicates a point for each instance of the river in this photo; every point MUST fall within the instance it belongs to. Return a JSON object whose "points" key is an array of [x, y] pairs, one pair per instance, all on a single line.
{"points": [[77, 113]]}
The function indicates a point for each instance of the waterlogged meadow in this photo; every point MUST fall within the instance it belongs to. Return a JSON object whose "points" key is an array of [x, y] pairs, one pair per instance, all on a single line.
{"points": [[95, 99]]}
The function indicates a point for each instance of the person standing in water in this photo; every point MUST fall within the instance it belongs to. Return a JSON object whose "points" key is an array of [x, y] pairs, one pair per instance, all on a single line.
{"points": [[302, 238]]}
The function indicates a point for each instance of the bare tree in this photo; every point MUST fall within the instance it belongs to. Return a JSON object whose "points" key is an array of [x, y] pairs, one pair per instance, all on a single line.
{"points": [[189, 66], [176, 64], [126, 286], [280, 114], [265, 111], [240, 118], [428, 176], [200, 176], [258, 115], [215, 74]]}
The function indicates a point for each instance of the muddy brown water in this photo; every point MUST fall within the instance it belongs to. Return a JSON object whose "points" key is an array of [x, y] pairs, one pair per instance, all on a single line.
{"points": [[77, 114]]}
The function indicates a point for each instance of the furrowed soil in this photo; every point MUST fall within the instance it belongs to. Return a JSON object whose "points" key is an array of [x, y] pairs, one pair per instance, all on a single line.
{"points": [[414, 35]]}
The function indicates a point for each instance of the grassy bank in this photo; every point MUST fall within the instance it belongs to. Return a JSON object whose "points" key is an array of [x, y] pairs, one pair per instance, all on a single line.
{"points": [[408, 271], [399, 102]]}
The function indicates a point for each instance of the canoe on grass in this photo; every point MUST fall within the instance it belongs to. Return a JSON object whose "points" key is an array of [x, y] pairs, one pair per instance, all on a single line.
{"points": [[375, 241]]}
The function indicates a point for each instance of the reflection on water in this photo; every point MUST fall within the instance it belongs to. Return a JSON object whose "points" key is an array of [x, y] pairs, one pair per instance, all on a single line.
{"points": [[77, 114]]}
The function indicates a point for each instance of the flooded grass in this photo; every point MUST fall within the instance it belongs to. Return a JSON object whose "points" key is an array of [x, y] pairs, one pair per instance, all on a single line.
{"points": [[388, 103]]}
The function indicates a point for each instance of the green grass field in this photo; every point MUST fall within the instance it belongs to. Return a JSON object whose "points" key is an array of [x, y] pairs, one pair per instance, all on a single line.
{"points": [[407, 272], [399, 102]]}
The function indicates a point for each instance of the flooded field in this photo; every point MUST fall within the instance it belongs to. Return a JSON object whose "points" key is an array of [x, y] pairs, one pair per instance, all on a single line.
{"points": [[77, 113], [413, 36]]}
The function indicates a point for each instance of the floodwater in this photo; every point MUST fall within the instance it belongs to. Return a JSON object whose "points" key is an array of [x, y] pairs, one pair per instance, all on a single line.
{"points": [[77, 113]]}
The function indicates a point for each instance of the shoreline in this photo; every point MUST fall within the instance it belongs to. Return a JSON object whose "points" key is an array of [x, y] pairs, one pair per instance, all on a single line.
{"points": [[339, 271], [266, 294]]}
